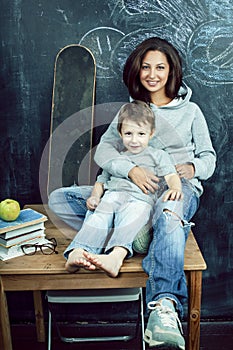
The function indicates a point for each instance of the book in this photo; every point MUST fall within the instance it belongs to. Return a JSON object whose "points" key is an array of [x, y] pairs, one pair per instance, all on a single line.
{"points": [[21, 238], [22, 230], [26, 218], [6, 250], [15, 250]]}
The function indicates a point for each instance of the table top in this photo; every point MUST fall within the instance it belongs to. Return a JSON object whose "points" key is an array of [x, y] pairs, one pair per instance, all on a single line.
{"points": [[54, 264]]}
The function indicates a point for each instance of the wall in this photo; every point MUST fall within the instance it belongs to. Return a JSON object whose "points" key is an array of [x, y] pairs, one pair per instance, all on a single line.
{"points": [[32, 33]]}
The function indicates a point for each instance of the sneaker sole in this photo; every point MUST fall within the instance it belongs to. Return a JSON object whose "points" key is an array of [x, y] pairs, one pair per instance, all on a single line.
{"points": [[159, 345]]}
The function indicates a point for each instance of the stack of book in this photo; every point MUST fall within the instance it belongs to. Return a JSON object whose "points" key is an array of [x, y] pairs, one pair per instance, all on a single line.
{"points": [[27, 228]]}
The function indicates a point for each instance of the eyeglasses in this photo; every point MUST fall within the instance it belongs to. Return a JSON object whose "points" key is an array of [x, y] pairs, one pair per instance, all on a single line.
{"points": [[46, 248]]}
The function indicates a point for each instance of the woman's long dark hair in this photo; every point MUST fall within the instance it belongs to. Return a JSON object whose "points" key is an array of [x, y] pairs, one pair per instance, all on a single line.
{"points": [[131, 72]]}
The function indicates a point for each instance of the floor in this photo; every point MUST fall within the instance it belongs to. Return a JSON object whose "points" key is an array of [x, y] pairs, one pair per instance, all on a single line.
{"points": [[24, 338], [213, 337]]}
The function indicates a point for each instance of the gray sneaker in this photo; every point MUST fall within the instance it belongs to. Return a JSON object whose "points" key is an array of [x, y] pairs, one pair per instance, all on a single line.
{"points": [[164, 330]]}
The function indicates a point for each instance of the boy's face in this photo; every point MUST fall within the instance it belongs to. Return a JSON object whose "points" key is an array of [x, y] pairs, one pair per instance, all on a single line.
{"points": [[135, 137]]}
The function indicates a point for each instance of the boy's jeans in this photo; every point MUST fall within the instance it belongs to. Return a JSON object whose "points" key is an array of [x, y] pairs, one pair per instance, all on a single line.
{"points": [[114, 223]]}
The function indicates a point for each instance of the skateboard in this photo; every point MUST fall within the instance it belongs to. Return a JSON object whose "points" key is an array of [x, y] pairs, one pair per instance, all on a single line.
{"points": [[72, 115]]}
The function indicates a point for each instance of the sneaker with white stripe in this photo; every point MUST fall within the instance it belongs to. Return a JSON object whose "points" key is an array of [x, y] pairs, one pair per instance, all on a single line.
{"points": [[164, 330]]}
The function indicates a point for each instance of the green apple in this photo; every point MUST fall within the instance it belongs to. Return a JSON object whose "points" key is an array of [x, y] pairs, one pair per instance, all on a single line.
{"points": [[9, 210]]}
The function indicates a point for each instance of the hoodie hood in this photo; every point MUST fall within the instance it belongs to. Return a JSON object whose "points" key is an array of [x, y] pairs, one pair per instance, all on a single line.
{"points": [[184, 96]]}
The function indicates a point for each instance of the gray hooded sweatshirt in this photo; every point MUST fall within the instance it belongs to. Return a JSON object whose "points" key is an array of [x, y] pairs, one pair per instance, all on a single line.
{"points": [[180, 130]]}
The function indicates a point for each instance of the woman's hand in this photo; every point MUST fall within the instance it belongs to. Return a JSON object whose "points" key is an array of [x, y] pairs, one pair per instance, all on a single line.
{"points": [[185, 170], [92, 202], [144, 179]]}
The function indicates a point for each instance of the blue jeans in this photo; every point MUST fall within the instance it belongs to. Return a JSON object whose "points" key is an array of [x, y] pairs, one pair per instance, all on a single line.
{"points": [[114, 223], [164, 262], [69, 204]]}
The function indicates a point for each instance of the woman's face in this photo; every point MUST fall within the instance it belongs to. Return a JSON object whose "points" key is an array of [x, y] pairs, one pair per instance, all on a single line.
{"points": [[154, 72]]}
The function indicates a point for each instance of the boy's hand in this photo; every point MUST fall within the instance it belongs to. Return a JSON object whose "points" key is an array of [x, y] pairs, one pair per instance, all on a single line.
{"points": [[92, 202], [185, 170], [173, 195]]}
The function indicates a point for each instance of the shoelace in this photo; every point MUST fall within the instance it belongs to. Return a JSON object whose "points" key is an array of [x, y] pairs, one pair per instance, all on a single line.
{"points": [[168, 317]]}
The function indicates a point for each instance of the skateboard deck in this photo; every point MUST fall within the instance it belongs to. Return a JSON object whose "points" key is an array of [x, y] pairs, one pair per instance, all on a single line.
{"points": [[72, 118]]}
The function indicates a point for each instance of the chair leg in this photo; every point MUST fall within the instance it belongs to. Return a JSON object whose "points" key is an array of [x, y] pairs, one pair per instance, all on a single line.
{"points": [[194, 309], [142, 319], [49, 330]]}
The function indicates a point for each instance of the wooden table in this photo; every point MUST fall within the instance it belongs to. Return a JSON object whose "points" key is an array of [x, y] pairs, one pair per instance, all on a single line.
{"points": [[40, 272]]}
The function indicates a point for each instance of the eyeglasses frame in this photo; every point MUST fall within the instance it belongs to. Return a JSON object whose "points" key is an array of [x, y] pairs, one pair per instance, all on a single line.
{"points": [[50, 245]]}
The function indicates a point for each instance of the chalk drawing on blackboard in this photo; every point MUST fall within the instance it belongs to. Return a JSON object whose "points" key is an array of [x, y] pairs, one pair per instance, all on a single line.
{"points": [[220, 9], [210, 53], [101, 42], [128, 43], [63, 14], [136, 14]]}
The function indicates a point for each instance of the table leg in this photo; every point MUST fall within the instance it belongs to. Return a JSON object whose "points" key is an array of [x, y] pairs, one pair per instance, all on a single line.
{"points": [[39, 316], [5, 330], [194, 314]]}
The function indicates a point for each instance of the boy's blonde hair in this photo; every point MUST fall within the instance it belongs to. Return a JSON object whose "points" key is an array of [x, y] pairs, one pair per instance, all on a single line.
{"points": [[137, 111]]}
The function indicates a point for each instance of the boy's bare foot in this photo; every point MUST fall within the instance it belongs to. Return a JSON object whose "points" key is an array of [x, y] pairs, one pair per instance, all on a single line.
{"points": [[110, 263], [77, 259]]}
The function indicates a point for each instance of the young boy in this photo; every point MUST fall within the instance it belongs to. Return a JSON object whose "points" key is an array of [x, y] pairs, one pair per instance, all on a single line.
{"points": [[118, 208]]}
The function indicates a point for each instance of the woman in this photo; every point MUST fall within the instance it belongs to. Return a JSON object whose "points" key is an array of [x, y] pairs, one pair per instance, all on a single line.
{"points": [[153, 73]]}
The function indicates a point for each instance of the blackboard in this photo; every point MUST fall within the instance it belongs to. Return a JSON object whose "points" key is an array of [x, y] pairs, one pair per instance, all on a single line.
{"points": [[33, 32]]}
